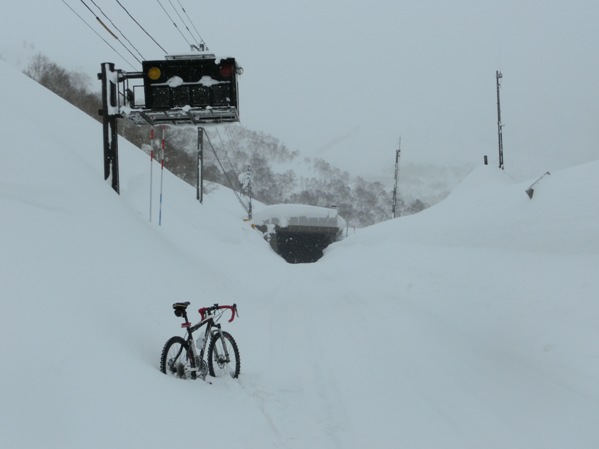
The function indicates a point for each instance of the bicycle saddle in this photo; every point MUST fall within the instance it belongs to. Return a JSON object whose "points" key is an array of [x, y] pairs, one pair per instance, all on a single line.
{"points": [[180, 308], [181, 305]]}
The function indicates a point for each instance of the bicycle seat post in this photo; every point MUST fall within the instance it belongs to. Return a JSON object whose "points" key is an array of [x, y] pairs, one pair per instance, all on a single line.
{"points": [[187, 322]]}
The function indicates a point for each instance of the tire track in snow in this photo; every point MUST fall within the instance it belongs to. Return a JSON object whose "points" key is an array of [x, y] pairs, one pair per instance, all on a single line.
{"points": [[295, 392]]}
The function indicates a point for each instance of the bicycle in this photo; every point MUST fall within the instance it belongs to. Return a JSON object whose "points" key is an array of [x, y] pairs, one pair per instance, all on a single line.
{"points": [[183, 359]]}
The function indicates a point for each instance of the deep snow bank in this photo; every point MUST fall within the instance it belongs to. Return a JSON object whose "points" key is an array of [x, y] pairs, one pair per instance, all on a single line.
{"points": [[472, 324], [489, 210]]}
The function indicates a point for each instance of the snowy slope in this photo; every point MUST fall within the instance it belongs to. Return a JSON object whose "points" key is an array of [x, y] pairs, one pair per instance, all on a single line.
{"points": [[472, 324]]}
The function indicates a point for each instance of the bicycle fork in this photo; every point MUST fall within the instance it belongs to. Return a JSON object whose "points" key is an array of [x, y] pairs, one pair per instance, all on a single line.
{"points": [[220, 346]]}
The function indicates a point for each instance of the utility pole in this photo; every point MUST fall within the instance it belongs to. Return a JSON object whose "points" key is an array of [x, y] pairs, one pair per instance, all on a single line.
{"points": [[246, 186], [498, 77], [200, 166], [394, 206]]}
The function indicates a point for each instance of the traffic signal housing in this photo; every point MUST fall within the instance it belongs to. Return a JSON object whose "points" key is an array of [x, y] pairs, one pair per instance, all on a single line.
{"points": [[205, 87]]}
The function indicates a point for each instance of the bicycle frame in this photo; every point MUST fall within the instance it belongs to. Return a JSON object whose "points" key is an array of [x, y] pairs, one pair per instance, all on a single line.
{"points": [[213, 330]]}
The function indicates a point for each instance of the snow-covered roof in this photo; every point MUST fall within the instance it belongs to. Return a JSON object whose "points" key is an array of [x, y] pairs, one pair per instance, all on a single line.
{"points": [[192, 55], [285, 215]]}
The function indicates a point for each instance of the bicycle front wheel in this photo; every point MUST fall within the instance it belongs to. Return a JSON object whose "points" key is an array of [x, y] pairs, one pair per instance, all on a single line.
{"points": [[223, 356], [177, 359]]}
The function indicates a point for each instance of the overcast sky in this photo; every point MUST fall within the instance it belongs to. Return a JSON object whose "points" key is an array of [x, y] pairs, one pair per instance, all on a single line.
{"points": [[345, 79]]}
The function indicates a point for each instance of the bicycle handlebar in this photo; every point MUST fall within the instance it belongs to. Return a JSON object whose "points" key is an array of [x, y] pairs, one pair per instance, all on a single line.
{"points": [[208, 310]]}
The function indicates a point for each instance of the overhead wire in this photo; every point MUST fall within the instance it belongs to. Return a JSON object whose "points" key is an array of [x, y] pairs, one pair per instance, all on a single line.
{"points": [[224, 147], [232, 140], [193, 26], [173, 22], [140, 26], [117, 28], [110, 31], [183, 21], [98, 34], [99, 20], [226, 175], [200, 44]]}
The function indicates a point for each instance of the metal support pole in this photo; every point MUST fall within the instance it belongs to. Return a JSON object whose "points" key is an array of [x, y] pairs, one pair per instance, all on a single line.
{"points": [[151, 168], [249, 192], [162, 147], [498, 77], [109, 124], [394, 206], [200, 164]]}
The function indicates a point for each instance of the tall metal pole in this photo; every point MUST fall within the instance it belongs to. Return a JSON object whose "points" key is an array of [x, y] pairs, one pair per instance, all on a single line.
{"points": [[151, 166], [249, 192], [162, 147], [245, 180], [200, 163], [110, 115], [394, 207], [498, 77]]}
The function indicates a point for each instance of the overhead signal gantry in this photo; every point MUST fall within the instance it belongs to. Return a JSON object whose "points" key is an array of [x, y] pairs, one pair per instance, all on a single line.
{"points": [[184, 89]]}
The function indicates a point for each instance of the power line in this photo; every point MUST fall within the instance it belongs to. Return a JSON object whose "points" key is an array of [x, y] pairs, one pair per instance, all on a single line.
{"points": [[98, 19], [139, 25], [183, 21], [232, 140], [224, 147], [117, 28], [192, 24], [98, 34], [226, 175], [109, 30], [173, 22]]}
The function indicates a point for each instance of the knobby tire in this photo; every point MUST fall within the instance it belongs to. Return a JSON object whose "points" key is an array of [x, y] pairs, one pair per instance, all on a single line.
{"points": [[219, 368], [177, 359]]}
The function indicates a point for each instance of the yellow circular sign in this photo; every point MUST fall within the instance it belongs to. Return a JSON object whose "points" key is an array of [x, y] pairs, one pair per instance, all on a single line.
{"points": [[154, 73]]}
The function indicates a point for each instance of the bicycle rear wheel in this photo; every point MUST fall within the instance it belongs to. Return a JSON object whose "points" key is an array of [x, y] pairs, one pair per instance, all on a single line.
{"points": [[177, 359], [223, 356]]}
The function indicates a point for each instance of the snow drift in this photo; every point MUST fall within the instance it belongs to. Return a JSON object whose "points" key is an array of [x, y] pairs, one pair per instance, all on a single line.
{"points": [[472, 324]]}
